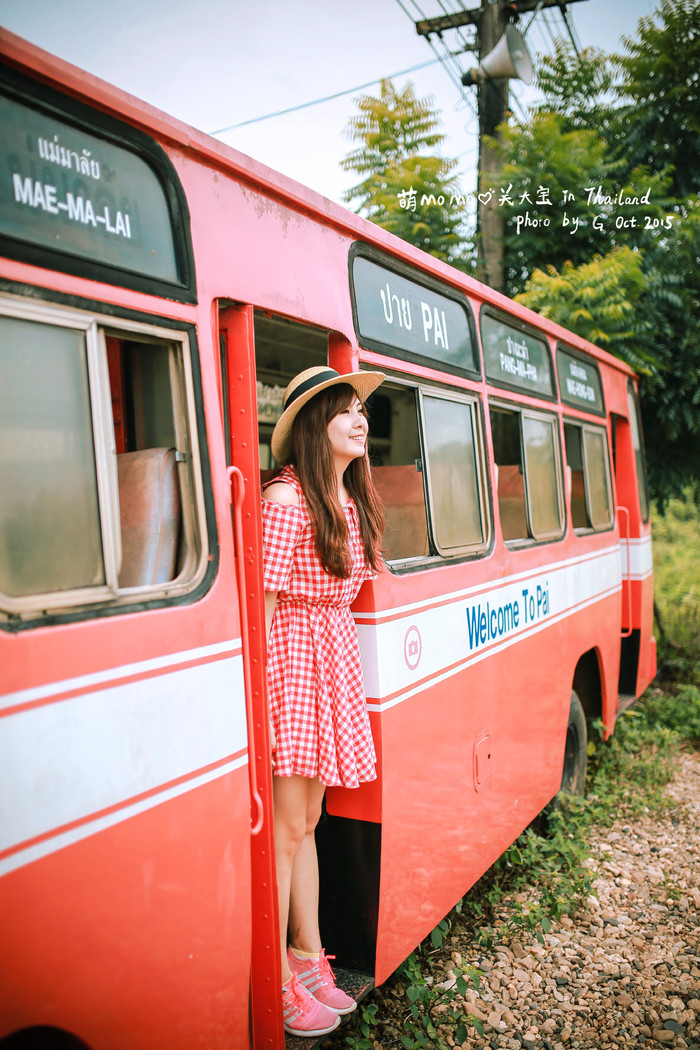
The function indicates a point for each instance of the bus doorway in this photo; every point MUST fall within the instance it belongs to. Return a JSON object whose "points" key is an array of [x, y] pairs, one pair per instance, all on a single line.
{"points": [[637, 660], [260, 354]]}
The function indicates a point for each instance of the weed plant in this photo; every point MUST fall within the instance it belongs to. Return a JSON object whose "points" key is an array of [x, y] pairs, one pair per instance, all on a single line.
{"points": [[539, 879]]}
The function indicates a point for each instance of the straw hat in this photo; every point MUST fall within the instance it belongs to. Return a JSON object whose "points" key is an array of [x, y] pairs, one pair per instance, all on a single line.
{"points": [[305, 386]]}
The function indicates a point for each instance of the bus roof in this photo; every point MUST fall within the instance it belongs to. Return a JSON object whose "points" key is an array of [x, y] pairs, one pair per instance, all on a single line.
{"points": [[65, 77]]}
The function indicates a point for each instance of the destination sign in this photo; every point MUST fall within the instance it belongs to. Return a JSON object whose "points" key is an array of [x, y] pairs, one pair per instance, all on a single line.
{"points": [[515, 358], [67, 190], [404, 315], [579, 382]]}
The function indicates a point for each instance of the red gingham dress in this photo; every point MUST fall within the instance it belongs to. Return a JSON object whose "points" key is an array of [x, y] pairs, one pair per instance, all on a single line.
{"points": [[314, 674]]}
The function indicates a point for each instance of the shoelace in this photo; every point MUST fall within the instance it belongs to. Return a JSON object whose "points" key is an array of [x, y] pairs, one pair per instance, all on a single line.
{"points": [[293, 1006], [320, 974], [325, 967]]}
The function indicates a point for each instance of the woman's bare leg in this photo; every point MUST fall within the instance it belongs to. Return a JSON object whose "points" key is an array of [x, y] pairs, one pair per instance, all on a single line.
{"points": [[303, 908], [297, 807]]}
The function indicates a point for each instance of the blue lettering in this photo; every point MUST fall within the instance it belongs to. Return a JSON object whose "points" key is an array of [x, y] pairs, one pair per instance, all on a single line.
{"points": [[486, 625]]}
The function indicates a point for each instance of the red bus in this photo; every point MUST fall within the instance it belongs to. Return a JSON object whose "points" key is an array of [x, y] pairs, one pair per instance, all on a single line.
{"points": [[157, 292]]}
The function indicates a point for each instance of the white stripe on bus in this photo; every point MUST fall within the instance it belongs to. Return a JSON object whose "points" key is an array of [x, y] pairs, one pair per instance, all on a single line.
{"points": [[641, 559], [392, 701], [432, 643], [105, 749], [113, 674], [67, 838]]}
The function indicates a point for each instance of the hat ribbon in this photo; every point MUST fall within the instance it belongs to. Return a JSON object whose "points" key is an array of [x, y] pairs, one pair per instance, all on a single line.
{"points": [[320, 377]]}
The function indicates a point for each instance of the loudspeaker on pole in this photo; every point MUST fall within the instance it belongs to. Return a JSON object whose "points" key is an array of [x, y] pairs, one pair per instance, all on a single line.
{"points": [[510, 58]]}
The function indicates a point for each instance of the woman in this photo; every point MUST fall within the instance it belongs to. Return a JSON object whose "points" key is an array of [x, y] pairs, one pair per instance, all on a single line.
{"points": [[322, 528]]}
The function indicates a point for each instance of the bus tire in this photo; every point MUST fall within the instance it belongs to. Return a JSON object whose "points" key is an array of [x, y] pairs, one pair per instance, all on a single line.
{"points": [[573, 777]]}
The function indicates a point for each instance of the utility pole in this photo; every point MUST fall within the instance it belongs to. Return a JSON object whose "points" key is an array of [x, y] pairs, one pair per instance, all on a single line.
{"points": [[490, 20], [492, 105]]}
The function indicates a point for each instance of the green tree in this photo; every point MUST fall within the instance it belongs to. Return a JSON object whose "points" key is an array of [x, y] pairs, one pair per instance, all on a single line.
{"points": [[668, 323], [406, 187], [627, 275], [578, 88], [660, 90], [598, 300], [561, 188]]}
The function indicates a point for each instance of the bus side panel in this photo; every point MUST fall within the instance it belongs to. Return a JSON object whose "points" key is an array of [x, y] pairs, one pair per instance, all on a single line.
{"points": [[137, 936], [125, 884], [470, 758]]}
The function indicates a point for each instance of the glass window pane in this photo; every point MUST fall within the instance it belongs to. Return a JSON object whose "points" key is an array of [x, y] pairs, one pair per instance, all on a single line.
{"points": [[540, 470], [454, 488], [597, 478], [574, 460], [397, 472], [505, 428], [635, 427], [50, 538]]}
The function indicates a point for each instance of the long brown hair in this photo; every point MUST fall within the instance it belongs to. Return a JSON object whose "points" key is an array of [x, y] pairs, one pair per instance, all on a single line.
{"points": [[311, 456]]}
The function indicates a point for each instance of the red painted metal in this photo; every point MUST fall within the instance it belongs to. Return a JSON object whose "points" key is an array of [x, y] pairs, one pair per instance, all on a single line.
{"points": [[160, 927]]}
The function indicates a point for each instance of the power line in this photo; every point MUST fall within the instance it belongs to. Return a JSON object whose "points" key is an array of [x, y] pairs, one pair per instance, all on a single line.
{"points": [[447, 59], [326, 98]]}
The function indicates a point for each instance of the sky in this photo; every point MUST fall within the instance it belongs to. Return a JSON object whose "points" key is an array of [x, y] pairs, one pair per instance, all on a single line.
{"points": [[217, 63]]}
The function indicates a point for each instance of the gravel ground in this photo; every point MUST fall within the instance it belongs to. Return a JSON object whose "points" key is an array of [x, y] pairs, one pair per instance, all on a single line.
{"points": [[625, 971]]}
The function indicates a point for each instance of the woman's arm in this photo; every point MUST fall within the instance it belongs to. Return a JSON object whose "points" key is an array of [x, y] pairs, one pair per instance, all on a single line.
{"points": [[270, 606]]}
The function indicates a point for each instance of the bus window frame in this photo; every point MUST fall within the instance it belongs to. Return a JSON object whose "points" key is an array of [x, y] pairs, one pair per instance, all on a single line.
{"points": [[552, 417], [487, 310], [431, 284], [435, 559], [197, 513], [640, 455], [586, 426], [481, 471], [126, 137], [412, 563]]}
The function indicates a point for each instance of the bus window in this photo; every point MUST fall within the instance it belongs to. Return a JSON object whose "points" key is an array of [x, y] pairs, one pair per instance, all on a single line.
{"points": [[97, 461], [526, 454], [283, 348], [636, 429], [544, 502], [453, 474], [587, 457], [398, 472], [50, 532]]}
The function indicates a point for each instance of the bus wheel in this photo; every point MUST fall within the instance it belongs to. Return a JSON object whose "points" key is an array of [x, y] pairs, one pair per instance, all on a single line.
{"points": [[573, 777], [42, 1038]]}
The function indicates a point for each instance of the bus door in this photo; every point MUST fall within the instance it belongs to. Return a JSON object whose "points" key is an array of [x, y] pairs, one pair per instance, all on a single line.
{"points": [[261, 353], [638, 652]]}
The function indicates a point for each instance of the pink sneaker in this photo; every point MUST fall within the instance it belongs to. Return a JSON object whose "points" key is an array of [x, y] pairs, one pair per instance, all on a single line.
{"points": [[302, 1014], [317, 977]]}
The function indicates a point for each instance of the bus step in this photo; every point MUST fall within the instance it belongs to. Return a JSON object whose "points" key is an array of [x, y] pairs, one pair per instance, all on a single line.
{"points": [[625, 700], [356, 984]]}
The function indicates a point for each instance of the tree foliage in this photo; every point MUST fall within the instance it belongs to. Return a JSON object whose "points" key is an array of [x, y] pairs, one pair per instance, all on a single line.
{"points": [[577, 91], [406, 187], [597, 300], [668, 323], [625, 275], [660, 90]]}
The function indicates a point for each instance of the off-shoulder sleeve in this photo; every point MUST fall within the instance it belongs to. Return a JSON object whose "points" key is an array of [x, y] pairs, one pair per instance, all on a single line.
{"points": [[282, 528]]}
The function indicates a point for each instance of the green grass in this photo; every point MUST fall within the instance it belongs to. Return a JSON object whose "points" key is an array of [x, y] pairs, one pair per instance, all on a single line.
{"points": [[676, 545]]}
